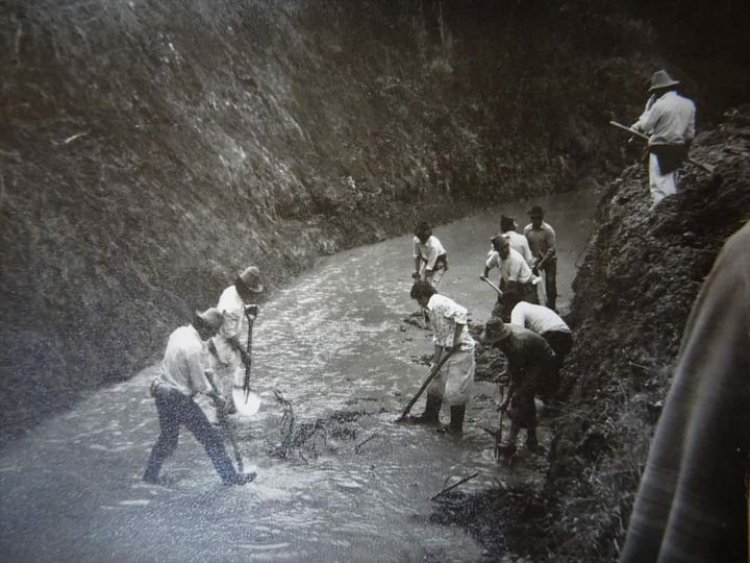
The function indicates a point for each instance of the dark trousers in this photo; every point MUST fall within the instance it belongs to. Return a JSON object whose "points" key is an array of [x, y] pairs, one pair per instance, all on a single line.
{"points": [[561, 343], [174, 409], [550, 283], [511, 297]]}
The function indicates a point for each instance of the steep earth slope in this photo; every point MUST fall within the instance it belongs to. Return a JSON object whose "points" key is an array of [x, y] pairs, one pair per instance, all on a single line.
{"points": [[153, 148], [633, 295]]}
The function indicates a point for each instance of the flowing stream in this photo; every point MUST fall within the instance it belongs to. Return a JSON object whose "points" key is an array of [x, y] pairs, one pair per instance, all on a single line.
{"points": [[334, 343]]}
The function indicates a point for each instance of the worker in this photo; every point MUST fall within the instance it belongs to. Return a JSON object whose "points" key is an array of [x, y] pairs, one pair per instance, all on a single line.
{"points": [[529, 360], [517, 282], [430, 256], [451, 338], [541, 237], [183, 374]]}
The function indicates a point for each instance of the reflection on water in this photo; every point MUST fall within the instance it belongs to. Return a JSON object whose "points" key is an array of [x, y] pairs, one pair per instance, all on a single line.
{"points": [[333, 341]]}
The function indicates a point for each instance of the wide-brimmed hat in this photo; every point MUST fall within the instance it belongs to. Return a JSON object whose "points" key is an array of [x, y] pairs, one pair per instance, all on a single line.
{"points": [[211, 317], [251, 278], [494, 331], [661, 79], [536, 211]]}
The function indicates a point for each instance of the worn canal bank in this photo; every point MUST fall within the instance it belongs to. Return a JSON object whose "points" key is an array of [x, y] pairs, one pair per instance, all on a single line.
{"points": [[633, 294], [350, 485]]}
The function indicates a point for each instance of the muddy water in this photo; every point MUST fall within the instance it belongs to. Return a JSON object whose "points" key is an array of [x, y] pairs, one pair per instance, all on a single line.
{"points": [[358, 489]]}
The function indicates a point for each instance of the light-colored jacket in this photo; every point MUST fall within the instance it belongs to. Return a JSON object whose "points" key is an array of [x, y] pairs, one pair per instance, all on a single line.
{"points": [[184, 364], [670, 120], [235, 325]]}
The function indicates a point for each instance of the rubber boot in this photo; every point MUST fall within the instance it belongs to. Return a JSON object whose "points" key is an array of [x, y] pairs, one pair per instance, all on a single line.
{"points": [[456, 425], [508, 447], [457, 419], [532, 444], [431, 414]]}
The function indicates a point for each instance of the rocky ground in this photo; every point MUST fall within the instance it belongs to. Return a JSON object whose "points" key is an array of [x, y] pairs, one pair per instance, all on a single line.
{"points": [[633, 295]]}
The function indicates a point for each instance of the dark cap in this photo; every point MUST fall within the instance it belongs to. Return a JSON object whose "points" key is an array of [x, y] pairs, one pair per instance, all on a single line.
{"points": [[536, 211], [507, 223]]}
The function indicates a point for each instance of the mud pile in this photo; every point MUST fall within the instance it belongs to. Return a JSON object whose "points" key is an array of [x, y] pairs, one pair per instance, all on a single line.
{"points": [[633, 295]]}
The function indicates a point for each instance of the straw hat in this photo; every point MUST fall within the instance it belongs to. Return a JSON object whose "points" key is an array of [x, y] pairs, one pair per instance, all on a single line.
{"points": [[495, 330], [661, 79], [211, 317], [251, 278]]}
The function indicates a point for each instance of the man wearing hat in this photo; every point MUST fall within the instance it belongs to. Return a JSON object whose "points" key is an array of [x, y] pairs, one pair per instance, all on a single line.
{"points": [[450, 336], [430, 256], [517, 241], [516, 278], [669, 121], [541, 237], [529, 360], [231, 355], [182, 376], [550, 326]]}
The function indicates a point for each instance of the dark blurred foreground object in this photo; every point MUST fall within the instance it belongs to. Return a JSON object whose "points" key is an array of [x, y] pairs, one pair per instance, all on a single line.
{"points": [[692, 502]]}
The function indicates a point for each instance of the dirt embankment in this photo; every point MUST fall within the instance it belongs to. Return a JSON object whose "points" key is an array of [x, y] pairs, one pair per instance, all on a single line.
{"points": [[152, 149], [633, 295]]}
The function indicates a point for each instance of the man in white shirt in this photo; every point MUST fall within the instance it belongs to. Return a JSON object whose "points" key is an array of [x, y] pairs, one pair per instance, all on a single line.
{"points": [[669, 121], [450, 336], [518, 242], [550, 326], [182, 376], [231, 352], [516, 278], [430, 256]]}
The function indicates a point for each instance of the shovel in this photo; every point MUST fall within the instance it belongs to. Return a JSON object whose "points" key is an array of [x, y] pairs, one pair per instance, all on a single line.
{"points": [[433, 372], [223, 419], [707, 167], [246, 401], [492, 285]]}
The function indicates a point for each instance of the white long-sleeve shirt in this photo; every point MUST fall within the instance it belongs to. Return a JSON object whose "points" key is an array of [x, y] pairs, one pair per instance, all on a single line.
{"points": [[537, 318], [184, 364], [429, 251], [670, 120], [513, 269], [234, 325], [520, 244]]}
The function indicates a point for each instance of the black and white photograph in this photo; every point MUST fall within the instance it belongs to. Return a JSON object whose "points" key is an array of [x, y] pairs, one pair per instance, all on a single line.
{"points": [[374, 280]]}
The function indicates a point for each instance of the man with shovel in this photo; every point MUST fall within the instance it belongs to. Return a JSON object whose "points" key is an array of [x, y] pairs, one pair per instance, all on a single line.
{"points": [[529, 359], [541, 237], [669, 122], [452, 341], [182, 376], [231, 355], [517, 282]]}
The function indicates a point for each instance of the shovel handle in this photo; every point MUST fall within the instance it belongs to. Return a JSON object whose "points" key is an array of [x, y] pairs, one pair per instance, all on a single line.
{"points": [[433, 372], [492, 285]]}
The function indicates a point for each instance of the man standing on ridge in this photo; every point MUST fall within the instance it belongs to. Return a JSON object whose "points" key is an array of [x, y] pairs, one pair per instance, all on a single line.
{"points": [[430, 257], [669, 121], [516, 278], [541, 237], [181, 377], [230, 351], [450, 336]]}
